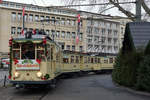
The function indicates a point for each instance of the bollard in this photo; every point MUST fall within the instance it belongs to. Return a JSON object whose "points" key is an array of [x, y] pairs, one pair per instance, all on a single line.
{"points": [[4, 81]]}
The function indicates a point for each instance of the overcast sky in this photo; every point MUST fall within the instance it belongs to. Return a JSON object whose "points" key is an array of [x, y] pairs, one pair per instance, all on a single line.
{"points": [[58, 3]]}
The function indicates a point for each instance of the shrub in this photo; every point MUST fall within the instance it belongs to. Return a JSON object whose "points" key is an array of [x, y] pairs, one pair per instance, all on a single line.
{"points": [[143, 75]]}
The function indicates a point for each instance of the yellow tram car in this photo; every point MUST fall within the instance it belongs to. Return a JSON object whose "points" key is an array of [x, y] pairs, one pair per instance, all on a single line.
{"points": [[38, 60]]}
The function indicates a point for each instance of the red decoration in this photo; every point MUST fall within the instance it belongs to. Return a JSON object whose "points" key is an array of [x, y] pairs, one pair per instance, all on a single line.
{"points": [[34, 31], [9, 77], [38, 61], [79, 18], [44, 41], [0, 1], [22, 31], [23, 11], [10, 41], [43, 78], [16, 61]]}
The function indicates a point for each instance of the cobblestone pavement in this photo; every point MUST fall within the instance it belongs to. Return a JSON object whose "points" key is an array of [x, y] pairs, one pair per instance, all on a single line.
{"points": [[90, 87]]}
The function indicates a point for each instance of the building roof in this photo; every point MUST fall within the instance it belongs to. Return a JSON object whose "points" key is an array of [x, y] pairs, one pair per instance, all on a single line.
{"points": [[140, 32]]}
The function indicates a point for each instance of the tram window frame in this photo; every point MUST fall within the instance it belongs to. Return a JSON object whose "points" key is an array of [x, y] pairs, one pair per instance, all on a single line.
{"points": [[40, 49], [28, 51], [48, 52], [14, 54], [72, 59], [66, 60], [92, 60], [110, 60], [85, 59], [77, 59], [106, 61], [89, 60], [99, 60], [95, 60]]}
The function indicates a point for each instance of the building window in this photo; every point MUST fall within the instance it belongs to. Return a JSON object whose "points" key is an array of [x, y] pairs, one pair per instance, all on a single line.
{"points": [[42, 17], [62, 21], [63, 34], [13, 30], [68, 47], [81, 36], [25, 17], [73, 22], [30, 29], [116, 33], [68, 22], [53, 34], [36, 17], [13, 16], [68, 35], [103, 31], [30, 17], [73, 48], [47, 32], [19, 30], [19, 16], [58, 34], [53, 20], [62, 47], [73, 35], [57, 20], [81, 48], [25, 30]]}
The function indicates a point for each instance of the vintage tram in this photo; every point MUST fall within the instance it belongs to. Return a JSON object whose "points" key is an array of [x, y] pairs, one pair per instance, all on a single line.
{"points": [[38, 60]]}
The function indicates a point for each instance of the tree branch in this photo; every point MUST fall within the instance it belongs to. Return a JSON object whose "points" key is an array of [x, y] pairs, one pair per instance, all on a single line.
{"points": [[127, 13], [145, 7]]}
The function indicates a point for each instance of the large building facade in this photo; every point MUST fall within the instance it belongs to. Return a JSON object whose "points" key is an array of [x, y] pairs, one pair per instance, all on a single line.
{"points": [[95, 35]]}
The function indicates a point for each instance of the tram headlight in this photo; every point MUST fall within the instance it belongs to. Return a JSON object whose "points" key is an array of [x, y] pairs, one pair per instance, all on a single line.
{"points": [[39, 74], [17, 74]]}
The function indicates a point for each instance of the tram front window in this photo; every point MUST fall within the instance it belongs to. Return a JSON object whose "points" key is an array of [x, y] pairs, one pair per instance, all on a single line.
{"points": [[28, 51]]}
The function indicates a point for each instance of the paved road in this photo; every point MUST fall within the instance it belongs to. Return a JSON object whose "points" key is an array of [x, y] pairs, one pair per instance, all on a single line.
{"points": [[91, 87]]}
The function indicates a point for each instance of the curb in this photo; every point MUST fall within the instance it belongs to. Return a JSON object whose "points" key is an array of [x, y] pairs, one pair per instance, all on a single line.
{"points": [[132, 90]]}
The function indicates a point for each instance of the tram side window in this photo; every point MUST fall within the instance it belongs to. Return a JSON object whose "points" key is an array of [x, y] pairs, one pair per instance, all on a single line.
{"points": [[89, 60], [51, 53], [99, 60], [48, 52], [77, 59], [110, 60], [72, 59], [65, 60], [16, 54], [105, 60], [92, 60], [40, 52], [16, 51], [85, 59], [96, 60]]}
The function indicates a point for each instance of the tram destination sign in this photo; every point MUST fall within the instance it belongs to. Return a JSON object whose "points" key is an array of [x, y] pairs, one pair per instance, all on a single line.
{"points": [[27, 65]]}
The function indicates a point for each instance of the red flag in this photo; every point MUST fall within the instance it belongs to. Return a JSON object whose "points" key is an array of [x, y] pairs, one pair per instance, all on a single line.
{"points": [[23, 11], [77, 40], [22, 31], [0, 1], [34, 31], [79, 18]]}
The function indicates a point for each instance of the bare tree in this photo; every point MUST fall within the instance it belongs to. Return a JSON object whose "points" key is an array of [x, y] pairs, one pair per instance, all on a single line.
{"points": [[125, 9]]}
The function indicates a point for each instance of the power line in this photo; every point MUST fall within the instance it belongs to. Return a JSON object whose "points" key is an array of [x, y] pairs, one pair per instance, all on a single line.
{"points": [[93, 4]]}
